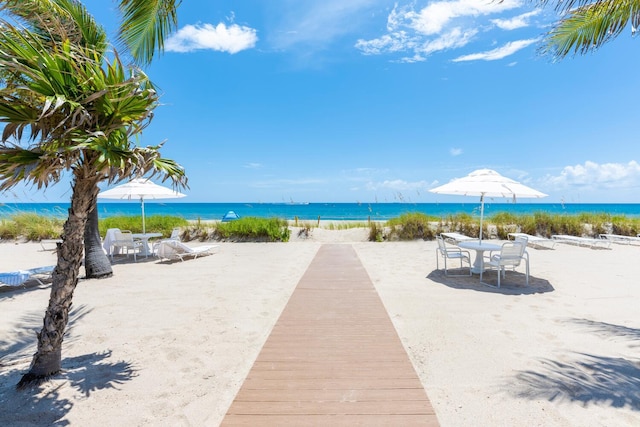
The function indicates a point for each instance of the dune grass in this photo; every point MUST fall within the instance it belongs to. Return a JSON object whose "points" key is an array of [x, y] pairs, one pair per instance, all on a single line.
{"points": [[408, 226], [155, 223], [417, 225], [30, 226], [254, 228]]}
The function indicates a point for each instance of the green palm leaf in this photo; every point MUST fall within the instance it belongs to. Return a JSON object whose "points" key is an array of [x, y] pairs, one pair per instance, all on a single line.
{"points": [[145, 25]]}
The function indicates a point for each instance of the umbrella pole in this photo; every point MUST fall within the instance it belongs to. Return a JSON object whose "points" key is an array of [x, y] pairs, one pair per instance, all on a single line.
{"points": [[142, 204], [481, 215]]}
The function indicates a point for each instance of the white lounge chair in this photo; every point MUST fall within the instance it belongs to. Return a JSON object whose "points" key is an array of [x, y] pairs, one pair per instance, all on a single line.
{"points": [[535, 241], [50, 244], [582, 241], [451, 253], [175, 249], [17, 278], [454, 237], [511, 255], [618, 238]]}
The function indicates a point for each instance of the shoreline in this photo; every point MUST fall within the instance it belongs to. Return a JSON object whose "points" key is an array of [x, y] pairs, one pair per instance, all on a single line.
{"points": [[328, 211]]}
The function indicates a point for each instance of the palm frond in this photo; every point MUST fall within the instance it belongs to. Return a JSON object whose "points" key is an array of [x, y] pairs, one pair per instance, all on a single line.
{"points": [[145, 25], [589, 26], [57, 20]]}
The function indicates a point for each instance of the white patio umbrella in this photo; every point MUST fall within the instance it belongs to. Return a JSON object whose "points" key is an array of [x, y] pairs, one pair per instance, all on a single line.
{"points": [[487, 183], [140, 188]]}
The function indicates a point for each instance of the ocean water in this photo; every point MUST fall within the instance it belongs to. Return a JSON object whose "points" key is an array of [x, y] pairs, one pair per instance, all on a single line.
{"points": [[323, 211]]}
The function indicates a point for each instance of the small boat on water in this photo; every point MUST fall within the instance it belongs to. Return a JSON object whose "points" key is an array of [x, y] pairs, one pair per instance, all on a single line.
{"points": [[230, 216]]}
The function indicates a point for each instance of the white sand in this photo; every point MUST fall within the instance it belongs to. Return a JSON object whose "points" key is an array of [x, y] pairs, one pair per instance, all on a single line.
{"points": [[170, 344]]}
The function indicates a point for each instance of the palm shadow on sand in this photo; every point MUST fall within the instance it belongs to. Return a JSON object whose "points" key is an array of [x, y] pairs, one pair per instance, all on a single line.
{"points": [[587, 378], [513, 284], [44, 404]]}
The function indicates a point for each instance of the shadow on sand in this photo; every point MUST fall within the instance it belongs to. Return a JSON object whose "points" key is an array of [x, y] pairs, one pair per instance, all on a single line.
{"points": [[44, 404], [513, 284], [588, 378]]}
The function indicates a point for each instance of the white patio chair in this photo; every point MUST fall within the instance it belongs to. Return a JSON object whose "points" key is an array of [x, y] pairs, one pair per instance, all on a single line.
{"points": [[511, 255], [124, 240], [451, 253]]}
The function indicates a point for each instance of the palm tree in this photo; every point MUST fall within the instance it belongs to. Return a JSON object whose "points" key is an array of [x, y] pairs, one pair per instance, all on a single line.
{"points": [[144, 26], [78, 110], [588, 24]]}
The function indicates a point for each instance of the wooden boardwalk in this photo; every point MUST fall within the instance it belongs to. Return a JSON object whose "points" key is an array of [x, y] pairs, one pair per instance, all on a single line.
{"points": [[333, 358]]}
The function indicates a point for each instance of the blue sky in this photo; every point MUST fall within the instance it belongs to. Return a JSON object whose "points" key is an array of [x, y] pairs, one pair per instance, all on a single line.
{"points": [[379, 101]]}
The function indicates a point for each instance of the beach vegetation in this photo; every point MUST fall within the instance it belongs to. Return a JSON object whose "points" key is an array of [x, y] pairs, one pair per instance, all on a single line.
{"points": [[71, 106], [461, 223], [254, 229], [376, 232], [410, 226], [30, 226], [156, 223], [345, 225]]}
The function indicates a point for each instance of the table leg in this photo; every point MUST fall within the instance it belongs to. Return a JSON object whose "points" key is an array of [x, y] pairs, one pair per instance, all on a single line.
{"points": [[478, 263]]}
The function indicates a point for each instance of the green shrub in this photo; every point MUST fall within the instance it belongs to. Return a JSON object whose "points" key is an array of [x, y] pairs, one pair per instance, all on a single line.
{"points": [[253, 228], [376, 232], [31, 226], [155, 223], [410, 226]]}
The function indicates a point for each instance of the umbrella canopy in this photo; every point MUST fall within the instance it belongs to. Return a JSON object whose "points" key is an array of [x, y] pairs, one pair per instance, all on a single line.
{"points": [[140, 188], [487, 183]]}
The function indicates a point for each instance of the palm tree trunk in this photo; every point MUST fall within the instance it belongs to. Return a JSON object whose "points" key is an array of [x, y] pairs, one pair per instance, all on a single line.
{"points": [[47, 359], [96, 262]]}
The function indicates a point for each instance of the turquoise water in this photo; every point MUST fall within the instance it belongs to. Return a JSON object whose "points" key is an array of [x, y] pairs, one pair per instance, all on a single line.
{"points": [[326, 211]]}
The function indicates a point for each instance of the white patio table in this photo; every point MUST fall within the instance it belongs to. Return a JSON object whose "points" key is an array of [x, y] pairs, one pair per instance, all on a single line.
{"points": [[144, 237], [479, 247]]}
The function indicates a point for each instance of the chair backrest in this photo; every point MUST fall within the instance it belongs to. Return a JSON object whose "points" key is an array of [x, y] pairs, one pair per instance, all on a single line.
{"points": [[175, 234], [441, 244], [511, 253], [172, 249], [522, 240], [123, 236]]}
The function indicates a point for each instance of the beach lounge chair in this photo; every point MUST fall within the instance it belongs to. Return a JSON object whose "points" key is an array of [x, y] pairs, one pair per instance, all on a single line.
{"points": [[454, 237], [17, 278], [582, 241], [535, 241], [511, 255], [618, 238], [451, 253], [175, 249], [50, 244]]}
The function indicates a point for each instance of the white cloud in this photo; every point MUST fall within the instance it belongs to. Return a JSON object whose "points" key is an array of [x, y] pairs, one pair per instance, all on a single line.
{"points": [[455, 151], [436, 16], [232, 39], [445, 25], [597, 176], [315, 24], [498, 53], [253, 165], [519, 21], [397, 185]]}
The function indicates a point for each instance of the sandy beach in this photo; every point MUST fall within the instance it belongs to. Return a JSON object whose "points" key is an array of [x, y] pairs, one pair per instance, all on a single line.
{"points": [[171, 343]]}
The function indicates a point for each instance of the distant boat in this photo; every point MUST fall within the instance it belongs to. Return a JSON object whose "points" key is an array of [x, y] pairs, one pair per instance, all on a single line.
{"points": [[230, 216]]}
